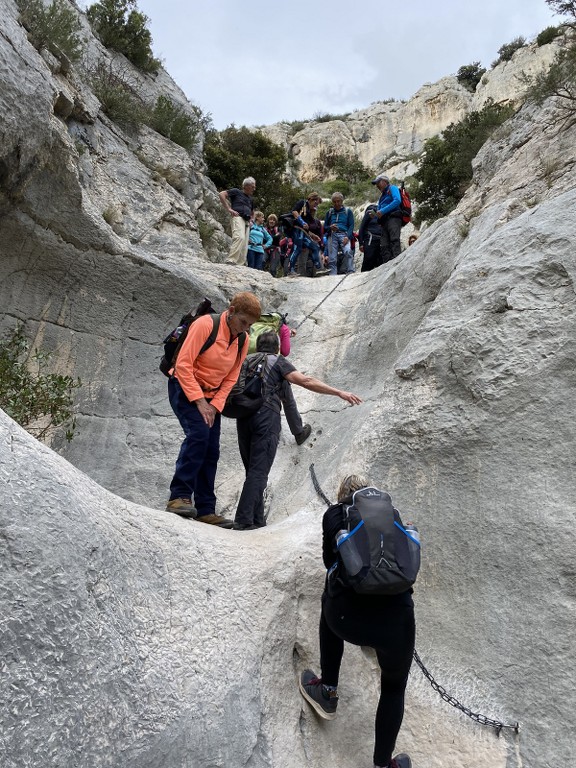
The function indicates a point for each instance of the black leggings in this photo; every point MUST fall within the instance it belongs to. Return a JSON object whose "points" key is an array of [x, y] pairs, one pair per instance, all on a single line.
{"points": [[387, 625]]}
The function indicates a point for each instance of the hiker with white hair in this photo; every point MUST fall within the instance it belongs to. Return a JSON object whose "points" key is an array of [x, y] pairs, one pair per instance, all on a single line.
{"points": [[240, 206]]}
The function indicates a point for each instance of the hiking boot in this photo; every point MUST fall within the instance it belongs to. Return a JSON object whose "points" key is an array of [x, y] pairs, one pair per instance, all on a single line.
{"points": [[304, 435], [182, 507], [218, 520], [400, 761], [245, 527], [321, 271], [323, 702]]}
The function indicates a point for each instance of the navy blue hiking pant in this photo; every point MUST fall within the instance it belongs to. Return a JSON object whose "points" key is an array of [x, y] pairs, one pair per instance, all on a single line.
{"points": [[196, 465], [385, 624]]}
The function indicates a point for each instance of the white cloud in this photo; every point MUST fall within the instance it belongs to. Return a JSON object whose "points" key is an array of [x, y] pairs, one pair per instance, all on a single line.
{"points": [[246, 63]]}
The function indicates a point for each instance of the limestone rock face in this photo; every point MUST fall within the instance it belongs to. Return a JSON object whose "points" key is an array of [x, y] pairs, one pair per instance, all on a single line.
{"points": [[134, 639], [385, 135], [59, 152]]}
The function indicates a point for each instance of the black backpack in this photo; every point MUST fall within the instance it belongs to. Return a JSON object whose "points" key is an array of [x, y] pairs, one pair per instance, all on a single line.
{"points": [[377, 554], [286, 224], [250, 391], [173, 342]]}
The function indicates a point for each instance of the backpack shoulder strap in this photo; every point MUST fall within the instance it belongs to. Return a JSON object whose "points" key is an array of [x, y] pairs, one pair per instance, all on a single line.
{"points": [[241, 339], [213, 333]]}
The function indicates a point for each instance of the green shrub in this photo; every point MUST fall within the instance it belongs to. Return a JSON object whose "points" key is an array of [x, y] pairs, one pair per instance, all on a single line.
{"points": [[547, 35], [173, 121], [121, 27], [335, 185], [52, 25], [119, 99], [326, 117], [470, 75], [343, 166], [39, 402], [506, 51], [235, 153], [445, 170], [296, 126]]}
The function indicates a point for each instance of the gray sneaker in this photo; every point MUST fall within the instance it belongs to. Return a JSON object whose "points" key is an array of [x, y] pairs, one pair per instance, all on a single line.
{"points": [[323, 702]]}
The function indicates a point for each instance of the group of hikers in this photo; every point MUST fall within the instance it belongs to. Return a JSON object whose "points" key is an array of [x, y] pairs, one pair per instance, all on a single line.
{"points": [[208, 365], [277, 244]]}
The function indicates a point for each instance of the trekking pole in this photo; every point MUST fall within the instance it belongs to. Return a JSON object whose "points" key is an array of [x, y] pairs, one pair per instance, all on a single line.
{"points": [[476, 716]]}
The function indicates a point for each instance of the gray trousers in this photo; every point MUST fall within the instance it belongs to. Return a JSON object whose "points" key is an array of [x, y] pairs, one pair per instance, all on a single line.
{"points": [[391, 226]]}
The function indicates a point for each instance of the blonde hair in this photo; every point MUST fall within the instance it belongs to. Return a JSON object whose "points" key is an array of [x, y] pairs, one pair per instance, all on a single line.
{"points": [[272, 216], [258, 214], [350, 484]]}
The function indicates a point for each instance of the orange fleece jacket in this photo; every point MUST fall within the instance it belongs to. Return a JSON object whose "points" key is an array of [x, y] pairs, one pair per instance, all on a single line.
{"points": [[213, 373]]}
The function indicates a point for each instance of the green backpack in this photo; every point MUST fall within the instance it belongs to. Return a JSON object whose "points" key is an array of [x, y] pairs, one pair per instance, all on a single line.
{"points": [[269, 322]]}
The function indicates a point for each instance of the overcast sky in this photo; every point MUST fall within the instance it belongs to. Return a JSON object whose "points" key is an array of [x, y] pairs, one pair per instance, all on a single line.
{"points": [[247, 64]]}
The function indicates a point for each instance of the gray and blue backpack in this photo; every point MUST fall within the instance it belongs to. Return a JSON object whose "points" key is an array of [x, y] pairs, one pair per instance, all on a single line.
{"points": [[377, 553]]}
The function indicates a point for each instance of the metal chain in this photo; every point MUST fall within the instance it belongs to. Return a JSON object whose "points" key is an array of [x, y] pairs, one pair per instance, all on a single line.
{"points": [[322, 302], [317, 488], [482, 719]]}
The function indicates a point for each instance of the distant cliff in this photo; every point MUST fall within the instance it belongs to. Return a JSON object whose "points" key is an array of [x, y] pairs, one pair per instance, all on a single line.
{"points": [[389, 134]]}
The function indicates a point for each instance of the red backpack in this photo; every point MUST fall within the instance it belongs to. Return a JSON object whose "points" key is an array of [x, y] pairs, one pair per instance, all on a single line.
{"points": [[405, 205]]}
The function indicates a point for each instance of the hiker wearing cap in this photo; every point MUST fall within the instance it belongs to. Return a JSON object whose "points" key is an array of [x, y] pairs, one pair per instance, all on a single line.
{"points": [[304, 231], [389, 216], [240, 206], [339, 226], [383, 622], [258, 435], [198, 387]]}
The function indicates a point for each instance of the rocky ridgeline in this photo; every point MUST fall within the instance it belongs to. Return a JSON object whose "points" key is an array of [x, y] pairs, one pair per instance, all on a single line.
{"points": [[134, 639], [388, 135]]}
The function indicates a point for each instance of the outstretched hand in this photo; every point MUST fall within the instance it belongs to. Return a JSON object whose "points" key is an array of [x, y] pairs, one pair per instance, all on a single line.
{"points": [[350, 398]]}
